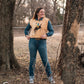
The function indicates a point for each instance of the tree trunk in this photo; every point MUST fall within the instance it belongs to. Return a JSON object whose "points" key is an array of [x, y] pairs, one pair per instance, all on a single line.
{"points": [[83, 17], [7, 58], [32, 7], [68, 60]]}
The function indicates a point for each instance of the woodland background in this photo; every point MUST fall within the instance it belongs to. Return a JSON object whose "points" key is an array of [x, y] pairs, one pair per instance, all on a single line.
{"points": [[12, 39]]}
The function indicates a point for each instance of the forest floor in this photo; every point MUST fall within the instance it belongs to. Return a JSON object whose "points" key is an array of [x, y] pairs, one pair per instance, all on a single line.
{"points": [[22, 54]]}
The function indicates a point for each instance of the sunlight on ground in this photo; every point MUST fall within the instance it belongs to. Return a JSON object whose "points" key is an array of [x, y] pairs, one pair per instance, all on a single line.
{"points": [[22, 54]]}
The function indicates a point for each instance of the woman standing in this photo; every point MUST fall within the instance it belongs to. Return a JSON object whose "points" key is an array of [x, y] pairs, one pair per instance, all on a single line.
{"points": [[37, 31]]}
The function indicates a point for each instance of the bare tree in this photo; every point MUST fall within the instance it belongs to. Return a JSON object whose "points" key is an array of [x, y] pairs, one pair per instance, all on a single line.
{"points": [[7, 58], [26, 8], [68, 63]]}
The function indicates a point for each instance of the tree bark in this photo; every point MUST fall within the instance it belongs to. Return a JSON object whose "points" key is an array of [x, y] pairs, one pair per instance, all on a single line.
{"points": [[7, 58], [32, 7], [68, 60]]}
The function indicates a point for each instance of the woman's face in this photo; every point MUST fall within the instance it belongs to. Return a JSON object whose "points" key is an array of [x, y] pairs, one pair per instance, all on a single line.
{"points": [[41, 13]]}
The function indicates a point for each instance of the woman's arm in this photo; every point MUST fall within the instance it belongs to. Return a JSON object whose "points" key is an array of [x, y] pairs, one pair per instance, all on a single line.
{"points": [[26, 31], [50, 29]]}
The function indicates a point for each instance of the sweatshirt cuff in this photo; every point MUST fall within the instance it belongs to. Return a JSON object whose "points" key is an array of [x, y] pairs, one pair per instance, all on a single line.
{"points": [[47, 34]]}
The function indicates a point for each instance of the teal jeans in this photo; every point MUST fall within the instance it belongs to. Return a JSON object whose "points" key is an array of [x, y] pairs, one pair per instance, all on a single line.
{"points": [[39, 45]]}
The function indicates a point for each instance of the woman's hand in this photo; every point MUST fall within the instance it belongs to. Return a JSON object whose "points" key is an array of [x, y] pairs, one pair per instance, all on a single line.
{"points": [[28, 37], [44, 36]]}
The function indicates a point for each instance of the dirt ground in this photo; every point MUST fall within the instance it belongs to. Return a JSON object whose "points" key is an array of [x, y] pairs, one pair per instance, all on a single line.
{"points": [[22, 54]]}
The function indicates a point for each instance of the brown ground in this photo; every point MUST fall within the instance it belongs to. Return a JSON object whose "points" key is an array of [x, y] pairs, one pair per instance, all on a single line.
{"points": [[22, 54]]}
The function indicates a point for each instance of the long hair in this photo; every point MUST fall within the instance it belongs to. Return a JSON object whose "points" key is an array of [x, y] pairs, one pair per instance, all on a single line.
{"points": [[36, 12]]}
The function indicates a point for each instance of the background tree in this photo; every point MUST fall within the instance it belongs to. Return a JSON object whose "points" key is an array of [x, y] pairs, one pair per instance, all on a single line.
{"points": [[25, 9], [68, 63], [7, 58], [83, 17]]}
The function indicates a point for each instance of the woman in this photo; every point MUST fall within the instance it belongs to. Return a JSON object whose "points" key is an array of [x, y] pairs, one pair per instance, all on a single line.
{"points": [[36, 33]]}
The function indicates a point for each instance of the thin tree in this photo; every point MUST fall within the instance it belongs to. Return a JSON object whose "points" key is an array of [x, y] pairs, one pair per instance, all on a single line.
{"points": [[7, 58], [68, 62]]}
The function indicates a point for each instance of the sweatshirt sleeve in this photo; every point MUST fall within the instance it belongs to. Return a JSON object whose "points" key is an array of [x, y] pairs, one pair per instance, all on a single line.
{"points": [[26, 31], [50, 29]]}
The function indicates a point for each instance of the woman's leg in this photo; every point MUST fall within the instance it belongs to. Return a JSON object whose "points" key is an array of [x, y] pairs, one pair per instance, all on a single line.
{"points": [[43, 53], [33, 52]]}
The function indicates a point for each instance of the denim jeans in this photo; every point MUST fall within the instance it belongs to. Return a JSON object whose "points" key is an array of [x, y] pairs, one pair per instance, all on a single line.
{"points": [[39, 45]]}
